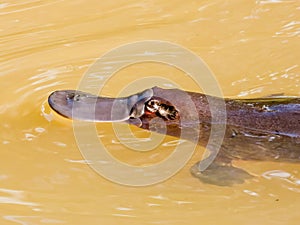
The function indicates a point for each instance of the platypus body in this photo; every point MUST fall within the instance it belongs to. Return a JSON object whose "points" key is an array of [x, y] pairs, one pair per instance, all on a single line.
{"points": [[253, 129]]}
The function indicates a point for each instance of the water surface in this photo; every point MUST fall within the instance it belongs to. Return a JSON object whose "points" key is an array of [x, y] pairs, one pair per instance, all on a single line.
{"points": [[252, 47]]}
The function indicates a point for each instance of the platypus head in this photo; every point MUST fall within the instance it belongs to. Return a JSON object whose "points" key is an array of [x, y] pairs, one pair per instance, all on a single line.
{"points": [[156, 109], [83, 106]]}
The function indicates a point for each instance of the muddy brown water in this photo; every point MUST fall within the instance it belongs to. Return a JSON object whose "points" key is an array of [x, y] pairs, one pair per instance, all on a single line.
{"points": [[251, 46]]}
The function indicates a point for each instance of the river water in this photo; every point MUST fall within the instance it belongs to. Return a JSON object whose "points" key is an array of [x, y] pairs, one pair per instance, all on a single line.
{"points": [[253, 49]]}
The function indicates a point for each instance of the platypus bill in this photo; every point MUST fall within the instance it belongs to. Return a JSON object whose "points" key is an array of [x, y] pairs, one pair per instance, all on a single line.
{"points": [[256, 129]]}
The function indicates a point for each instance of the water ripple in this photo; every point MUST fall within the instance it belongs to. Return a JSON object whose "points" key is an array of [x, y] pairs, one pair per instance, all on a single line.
{"points": [[264, 2], [28, 220], [283, 175], [15, 197], [24, 6], [291, 29]]}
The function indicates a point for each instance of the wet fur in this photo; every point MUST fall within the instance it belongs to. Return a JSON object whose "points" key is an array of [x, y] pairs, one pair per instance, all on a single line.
{"points": [[255, 129]]}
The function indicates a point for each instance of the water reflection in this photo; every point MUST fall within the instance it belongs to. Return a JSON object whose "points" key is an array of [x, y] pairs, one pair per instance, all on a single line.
{"points": [[44, 80], [282, 175], [253, 49], [31, 220], [288, 74], [16, 197]]}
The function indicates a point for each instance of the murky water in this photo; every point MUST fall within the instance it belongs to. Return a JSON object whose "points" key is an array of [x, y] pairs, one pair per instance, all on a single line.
{"points": [[252, 47]]}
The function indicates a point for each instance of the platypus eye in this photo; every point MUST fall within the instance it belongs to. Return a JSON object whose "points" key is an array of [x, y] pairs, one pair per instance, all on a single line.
{"points": [[168, 112], [165, 111], [153, 105]]}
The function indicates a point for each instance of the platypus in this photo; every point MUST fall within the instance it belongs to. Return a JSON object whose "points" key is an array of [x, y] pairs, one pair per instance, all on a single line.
{"points": [[265, 129]]}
